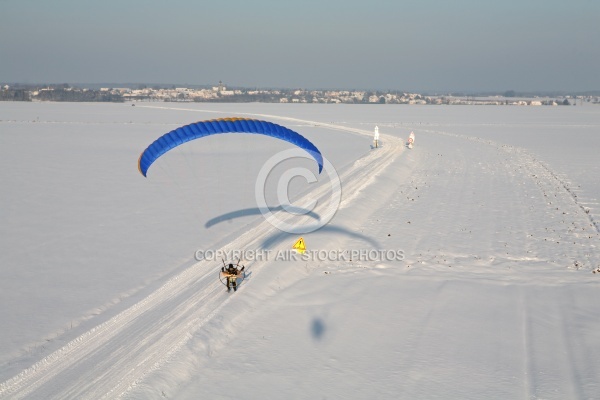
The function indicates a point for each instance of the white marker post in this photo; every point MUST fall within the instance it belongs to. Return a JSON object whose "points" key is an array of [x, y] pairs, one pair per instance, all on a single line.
{"points": [[376, 136]]}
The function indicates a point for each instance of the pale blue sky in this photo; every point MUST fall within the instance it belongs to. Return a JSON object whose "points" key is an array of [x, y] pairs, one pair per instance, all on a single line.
{"points": [[421, 45]]}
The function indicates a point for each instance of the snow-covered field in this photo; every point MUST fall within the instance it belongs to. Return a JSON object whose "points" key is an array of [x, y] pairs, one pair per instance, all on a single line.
{"points": [[462, 268]]}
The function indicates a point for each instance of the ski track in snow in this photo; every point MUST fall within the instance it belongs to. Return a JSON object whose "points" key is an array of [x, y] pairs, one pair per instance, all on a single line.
{"points": [[108, 360]]}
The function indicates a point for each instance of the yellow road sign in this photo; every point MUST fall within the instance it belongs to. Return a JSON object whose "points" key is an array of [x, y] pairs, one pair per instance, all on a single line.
{"points": [[299, 246]]}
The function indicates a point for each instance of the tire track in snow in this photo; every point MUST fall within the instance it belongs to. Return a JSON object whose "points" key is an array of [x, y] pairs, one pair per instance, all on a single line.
{"points": [[527, 340], [568, 348], [109, 359], [419, 339], [552, 368]]}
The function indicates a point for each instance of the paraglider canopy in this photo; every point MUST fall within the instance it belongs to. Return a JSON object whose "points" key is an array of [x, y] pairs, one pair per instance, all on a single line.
{"points": [[202, 129]]}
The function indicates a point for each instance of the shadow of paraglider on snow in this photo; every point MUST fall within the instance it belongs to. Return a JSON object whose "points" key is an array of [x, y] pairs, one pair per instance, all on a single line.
{"points": [[257, 211], [280, 236], [317, 328]]}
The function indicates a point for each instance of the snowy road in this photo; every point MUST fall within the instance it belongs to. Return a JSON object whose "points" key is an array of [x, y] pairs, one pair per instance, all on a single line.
{"points": [[494, 297]]}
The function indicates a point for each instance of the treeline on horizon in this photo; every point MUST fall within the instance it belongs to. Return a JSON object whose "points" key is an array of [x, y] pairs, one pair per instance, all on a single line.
{"points": [[91, 93], [57, 93]]}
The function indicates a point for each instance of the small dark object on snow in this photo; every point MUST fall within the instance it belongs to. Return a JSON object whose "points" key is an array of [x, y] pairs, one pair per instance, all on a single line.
{"points": [[231, 273]]}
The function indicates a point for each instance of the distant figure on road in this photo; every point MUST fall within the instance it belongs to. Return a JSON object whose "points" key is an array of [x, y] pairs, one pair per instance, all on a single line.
{"points": [[411, 140]]}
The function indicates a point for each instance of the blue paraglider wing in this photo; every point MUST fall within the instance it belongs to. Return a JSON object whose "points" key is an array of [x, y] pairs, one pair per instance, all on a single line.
{"points": [[223, 125]]}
